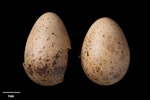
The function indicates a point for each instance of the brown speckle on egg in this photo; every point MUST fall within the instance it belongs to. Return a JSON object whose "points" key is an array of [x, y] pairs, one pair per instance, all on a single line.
{"points": [[48, 38], [97, 69], [47, 60], [40, 58], [54, 63], [53, 33], [87, 53], [57, 55], [42, 70], [110, 62], [53, 44], [29, 69]]}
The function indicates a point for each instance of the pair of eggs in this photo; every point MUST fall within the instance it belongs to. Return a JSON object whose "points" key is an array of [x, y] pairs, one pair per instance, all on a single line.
{"points": [[105, 54]]}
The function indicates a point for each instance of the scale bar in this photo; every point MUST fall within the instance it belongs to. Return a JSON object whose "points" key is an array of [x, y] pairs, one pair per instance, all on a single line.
{"points": [[11, 92]]}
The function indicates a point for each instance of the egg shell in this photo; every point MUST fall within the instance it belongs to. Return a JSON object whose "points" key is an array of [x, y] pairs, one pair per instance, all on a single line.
{"points": [[105, 54], [46, 50]]}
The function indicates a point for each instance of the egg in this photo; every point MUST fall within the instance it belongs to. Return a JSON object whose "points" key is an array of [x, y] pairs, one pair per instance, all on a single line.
{"points": [[105, 54], [46, 50]]}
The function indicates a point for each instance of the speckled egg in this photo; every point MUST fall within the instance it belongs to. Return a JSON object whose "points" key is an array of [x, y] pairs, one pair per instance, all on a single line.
{"points": [[105, 54], [46, 50]]}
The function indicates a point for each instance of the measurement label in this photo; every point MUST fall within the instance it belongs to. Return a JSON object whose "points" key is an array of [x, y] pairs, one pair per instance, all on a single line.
{"points": [[11, 94]]}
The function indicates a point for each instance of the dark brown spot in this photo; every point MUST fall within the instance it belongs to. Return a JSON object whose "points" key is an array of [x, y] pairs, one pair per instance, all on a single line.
{"points": [[118, 42], [100, 63], [29, 69], [29, 66], [46, 27], [95, 78], [40, 58], [54, 63], [58, 55], [53, 33], [47, 38], [103, 35], [97, 69], [47, 60], [68, 49], [43, 47], [110, 62], [33, 77], [42, 70], [122, 51], [87, 53]]}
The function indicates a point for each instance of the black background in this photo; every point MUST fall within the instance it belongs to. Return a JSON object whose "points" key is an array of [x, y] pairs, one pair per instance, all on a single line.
{"points": [[18, 19]]}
